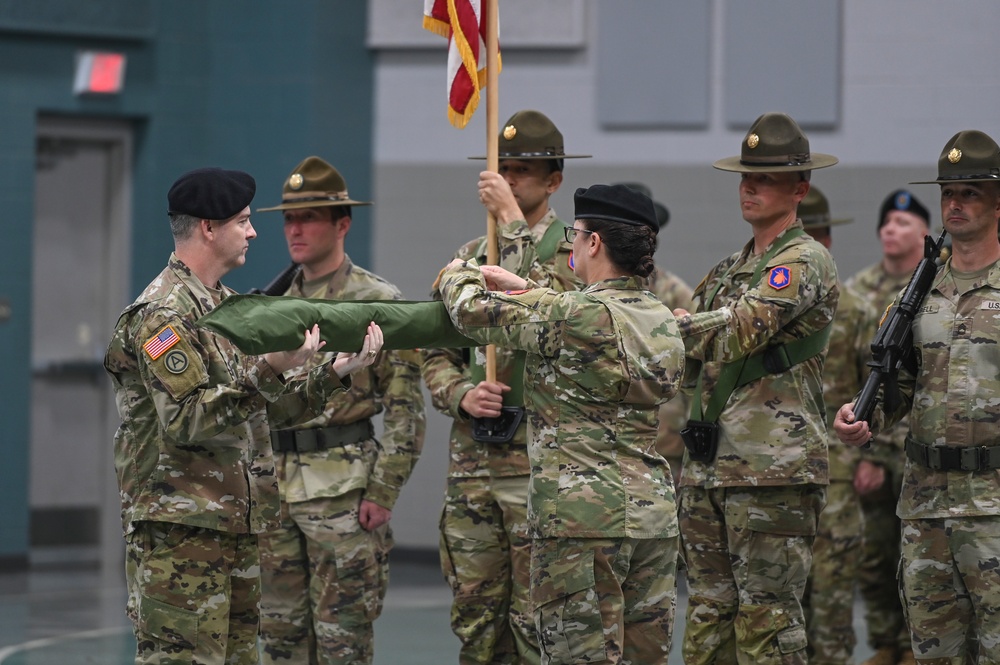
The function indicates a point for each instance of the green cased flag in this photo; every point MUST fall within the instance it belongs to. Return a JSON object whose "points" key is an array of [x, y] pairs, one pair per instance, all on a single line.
{"points": [[260, 324]]}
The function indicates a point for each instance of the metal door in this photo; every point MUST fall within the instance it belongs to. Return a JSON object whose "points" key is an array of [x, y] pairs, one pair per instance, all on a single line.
{"points": [[79, 278]]}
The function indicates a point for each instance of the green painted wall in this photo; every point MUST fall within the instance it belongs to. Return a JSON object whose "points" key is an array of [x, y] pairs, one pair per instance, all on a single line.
{"points": [[255, 86]]}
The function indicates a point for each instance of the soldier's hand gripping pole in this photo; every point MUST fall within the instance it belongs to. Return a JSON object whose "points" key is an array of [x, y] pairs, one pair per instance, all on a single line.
{"points": [[893, 341]]}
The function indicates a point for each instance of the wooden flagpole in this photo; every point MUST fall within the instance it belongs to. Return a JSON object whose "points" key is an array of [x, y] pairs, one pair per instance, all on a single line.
{"points": [[492, 156]]}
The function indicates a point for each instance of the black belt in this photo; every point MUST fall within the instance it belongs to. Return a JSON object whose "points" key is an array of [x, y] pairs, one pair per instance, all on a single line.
{"points": [[953, 458], [321, 438]]}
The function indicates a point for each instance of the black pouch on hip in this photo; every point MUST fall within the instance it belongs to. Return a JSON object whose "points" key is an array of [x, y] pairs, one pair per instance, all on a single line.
{"points": [[701, 440]]}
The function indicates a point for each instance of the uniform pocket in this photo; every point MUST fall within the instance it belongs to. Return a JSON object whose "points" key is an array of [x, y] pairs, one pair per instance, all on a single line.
{"points": [[567, 611], [360, 576], [169, 623]]}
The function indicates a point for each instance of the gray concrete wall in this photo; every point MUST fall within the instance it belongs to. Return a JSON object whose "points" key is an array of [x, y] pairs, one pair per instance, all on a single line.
{"points": [[912, 73]]}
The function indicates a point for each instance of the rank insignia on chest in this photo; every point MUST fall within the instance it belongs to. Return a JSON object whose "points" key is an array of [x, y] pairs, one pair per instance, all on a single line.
{"points": [[779, 277], [161, 342]]}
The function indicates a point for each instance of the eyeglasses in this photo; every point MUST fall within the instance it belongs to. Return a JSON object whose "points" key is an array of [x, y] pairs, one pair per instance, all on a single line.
{"points": [[570, 233]]}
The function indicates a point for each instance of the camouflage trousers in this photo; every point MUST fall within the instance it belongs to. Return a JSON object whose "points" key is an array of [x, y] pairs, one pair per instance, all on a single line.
{"points": [[323, 581], [950, 584], [748, 552], [192, 594], [604, 600], [486, 557], [879, 563], [829, 596]]}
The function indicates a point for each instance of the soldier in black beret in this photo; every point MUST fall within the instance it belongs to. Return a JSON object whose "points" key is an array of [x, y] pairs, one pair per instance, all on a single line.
{"points": [[193, 454], [484, 539], [601, 513]]}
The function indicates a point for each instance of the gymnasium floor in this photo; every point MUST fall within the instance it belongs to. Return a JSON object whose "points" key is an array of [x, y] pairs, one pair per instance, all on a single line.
{"points": [[59, 614]]}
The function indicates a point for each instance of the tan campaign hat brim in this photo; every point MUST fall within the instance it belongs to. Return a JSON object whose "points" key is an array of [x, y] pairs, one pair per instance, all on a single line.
{"points": [[300, 205], [944, 181], [817, 160]]}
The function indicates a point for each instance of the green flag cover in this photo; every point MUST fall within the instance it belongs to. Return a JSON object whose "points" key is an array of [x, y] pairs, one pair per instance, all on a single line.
{"points": [[260, 324]]}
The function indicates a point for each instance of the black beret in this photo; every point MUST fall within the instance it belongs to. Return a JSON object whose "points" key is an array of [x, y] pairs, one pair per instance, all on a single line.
{"points": [[905, 201], [211, 193], [615, 203]]}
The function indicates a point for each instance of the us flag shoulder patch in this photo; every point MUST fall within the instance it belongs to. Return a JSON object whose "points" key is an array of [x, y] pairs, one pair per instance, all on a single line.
{"points": [[159, 343]]}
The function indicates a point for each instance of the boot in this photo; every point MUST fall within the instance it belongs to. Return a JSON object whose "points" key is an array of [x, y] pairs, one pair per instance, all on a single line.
{"points": [[906, 657], [884, 656]]}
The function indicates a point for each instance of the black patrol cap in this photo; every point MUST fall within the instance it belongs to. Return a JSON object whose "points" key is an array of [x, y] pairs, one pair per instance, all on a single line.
{"points": [[969, 156], [211, 193], [615, 203], [905, 201]]}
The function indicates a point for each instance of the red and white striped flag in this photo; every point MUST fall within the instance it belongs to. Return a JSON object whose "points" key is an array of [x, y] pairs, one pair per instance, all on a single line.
{"points": [[463, 22]]}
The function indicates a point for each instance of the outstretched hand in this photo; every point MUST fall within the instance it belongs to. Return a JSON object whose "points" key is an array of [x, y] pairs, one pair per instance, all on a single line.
{"points": [[348, 363], [282, 361]]}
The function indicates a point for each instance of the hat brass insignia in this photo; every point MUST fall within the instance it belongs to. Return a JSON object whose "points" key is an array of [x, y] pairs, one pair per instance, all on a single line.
{"points": [[295, 181], [954, 155], [752, 141], [509, 132]]}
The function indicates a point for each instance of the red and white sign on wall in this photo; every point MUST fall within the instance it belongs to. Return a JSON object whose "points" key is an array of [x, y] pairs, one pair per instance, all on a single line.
{"points": [[99, 73]]}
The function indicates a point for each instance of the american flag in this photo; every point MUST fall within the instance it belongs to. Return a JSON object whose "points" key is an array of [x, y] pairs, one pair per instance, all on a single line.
{"points": [[163, 340], [463, 22]]}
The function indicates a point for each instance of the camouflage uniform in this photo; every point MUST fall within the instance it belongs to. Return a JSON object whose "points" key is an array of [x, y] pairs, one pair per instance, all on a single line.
{"points": [[829, 598], [601, 503], [880, 557], [674, 293], [485, 548], [951, 519], [748, 519], [324, 577], [195, 471]]}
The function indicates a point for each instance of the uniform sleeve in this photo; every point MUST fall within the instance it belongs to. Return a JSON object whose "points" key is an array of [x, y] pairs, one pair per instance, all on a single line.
{"points": [[524, 321], [787, 289], [398, 386], [446, 375], [194, 401]]}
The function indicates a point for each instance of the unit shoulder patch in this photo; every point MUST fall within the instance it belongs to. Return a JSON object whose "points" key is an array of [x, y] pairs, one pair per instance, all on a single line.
{"points": [[779, 277]]}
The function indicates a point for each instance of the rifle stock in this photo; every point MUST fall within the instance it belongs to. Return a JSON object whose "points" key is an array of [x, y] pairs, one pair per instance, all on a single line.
{"points": [[279, 285], [894, 338]]}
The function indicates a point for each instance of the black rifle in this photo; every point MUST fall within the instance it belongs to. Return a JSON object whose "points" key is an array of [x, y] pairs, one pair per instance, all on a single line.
{"points": [[894, 340], [279, 284]]}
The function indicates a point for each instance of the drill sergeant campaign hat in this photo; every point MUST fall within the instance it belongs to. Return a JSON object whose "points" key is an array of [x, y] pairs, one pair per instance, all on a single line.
{"points": [[615, 203], [814, 211], [211, 193], [662, 213], [314, 184], [530, 134], [775, 144], [969, 156]]}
